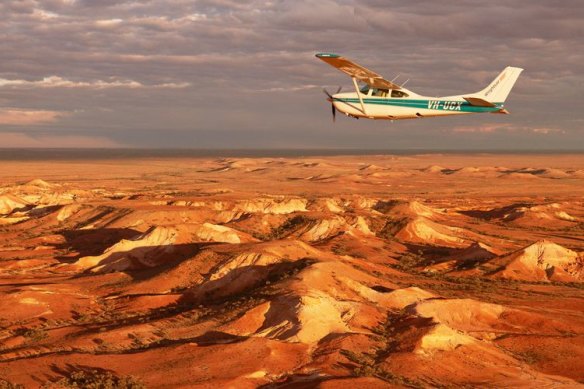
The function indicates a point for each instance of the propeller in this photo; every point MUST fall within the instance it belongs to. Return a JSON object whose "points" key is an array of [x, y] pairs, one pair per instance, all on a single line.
{"points": [[330, 98]]}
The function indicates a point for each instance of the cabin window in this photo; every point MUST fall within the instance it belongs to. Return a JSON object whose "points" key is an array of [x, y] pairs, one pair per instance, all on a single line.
{"points": [[380, 92], [398, 93], [365, 89]]}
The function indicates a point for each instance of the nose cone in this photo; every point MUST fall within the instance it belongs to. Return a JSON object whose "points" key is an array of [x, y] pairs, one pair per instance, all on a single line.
{"points": [[334, 101], [337, 96]]}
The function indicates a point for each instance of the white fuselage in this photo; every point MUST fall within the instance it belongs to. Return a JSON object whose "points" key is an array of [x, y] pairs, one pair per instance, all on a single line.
{"points": [[379, 104]]}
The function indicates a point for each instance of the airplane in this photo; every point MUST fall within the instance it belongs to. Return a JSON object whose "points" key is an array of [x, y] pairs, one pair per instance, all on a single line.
{"points": [[383, 99]]}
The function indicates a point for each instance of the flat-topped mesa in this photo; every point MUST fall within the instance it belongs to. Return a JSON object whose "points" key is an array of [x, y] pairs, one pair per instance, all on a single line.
{"points": [[275, 206]]}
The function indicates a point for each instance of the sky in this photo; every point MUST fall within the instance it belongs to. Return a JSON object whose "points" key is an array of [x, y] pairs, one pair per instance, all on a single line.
{"points": [[242, 74]]}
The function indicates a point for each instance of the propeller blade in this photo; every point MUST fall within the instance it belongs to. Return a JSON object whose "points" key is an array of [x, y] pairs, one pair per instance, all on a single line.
{"points": [[330, 98], [334, 112], [339, 90]]}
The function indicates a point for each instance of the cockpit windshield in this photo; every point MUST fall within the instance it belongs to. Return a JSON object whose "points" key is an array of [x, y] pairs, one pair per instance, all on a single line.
{"points": [[364, 89], [380, 92], [398, 93]]}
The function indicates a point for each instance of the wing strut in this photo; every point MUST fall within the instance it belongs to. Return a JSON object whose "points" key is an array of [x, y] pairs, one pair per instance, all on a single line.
{"points": [[359, 95]]}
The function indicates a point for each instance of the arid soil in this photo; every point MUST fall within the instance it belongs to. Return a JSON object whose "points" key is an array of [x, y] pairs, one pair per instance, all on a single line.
{"points": [[334, 272]]}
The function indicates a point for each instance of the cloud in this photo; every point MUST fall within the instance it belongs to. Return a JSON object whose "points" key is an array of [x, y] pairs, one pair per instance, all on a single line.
{"points": [[21, 117], [289, 88], [506, 127], [60, 82], [44, 15], [483, 128], [128, 64], [19, 139], [106, 23], [546, 130]]}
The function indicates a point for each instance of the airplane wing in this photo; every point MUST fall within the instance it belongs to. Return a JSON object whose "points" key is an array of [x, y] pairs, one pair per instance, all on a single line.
{"points": [[359, 72]]}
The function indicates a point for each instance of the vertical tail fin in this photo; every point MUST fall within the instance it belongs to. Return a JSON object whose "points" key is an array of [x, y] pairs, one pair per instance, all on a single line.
{"points": [[499, 89]]}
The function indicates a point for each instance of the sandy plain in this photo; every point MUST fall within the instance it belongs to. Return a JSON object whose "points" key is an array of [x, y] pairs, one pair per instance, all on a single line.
{"points": [[432, 270]]}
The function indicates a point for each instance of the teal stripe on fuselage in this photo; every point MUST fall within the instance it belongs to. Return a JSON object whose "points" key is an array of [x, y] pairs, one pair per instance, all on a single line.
{"points": [[437, 105]]}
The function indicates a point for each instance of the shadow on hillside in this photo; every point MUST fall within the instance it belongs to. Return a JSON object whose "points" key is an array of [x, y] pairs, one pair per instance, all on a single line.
{"points": [[495, 213], [81, 243], [244, 281], [143, 263]]}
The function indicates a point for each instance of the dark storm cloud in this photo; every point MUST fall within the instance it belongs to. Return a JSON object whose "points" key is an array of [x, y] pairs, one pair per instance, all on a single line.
{"points": [[243, 74]]}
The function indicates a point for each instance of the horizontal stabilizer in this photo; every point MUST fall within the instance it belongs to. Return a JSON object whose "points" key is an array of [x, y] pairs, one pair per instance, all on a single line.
{"points": [[478, 102]]}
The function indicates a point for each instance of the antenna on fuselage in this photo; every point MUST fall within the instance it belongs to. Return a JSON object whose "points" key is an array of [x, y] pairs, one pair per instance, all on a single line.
{"points": [[402, 85], [395, 78]]}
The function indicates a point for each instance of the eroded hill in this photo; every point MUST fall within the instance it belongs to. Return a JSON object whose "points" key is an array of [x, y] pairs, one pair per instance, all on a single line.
{"points": [[272, 272]]}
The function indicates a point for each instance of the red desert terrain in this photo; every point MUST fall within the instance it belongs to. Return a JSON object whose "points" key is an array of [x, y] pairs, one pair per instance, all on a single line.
{"points": [[330, 272]]}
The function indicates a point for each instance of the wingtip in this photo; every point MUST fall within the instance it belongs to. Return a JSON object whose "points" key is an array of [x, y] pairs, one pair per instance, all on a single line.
{"points": [[326, 55]]}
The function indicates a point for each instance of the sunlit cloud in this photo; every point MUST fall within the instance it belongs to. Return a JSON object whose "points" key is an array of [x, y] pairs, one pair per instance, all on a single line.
{"points": [[196, 17], [21, 117], [44, 15], [60, 82], [546, 130], [182, 71], [290, 88], [106, 23], [19, 139], [483, 128], [506, 127]]}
